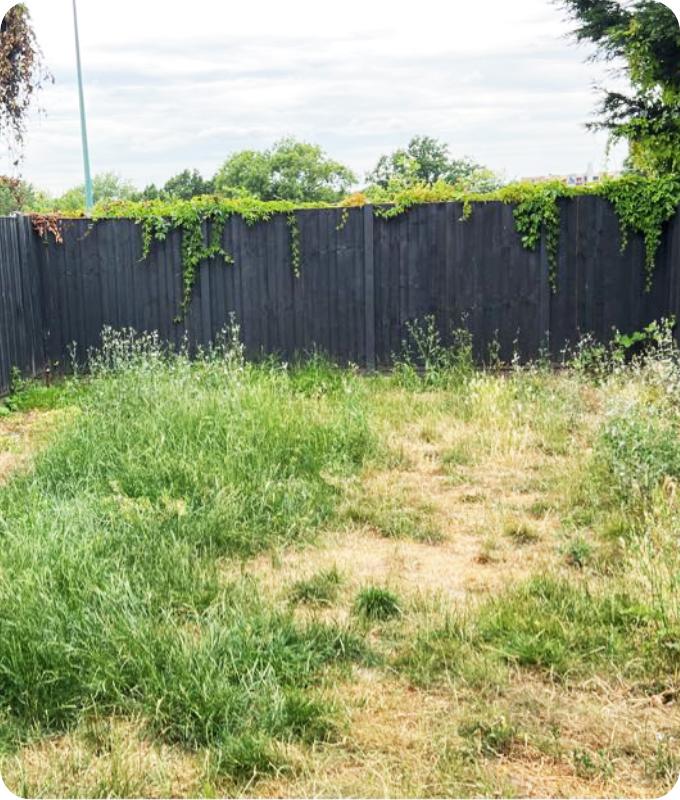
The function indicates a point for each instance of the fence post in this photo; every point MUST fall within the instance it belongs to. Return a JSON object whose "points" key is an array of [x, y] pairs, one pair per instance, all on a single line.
{"points": [[369, 287], [545, 290]]}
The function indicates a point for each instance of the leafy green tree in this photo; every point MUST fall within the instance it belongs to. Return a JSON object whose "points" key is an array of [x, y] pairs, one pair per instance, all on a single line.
{"points": [[149, 192], [105, 186], [290, 170], [645, 36], [426, 161], [188, 184]]}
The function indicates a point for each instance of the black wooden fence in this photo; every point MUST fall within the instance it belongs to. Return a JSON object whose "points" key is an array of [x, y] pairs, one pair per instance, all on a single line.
{"points": [[362, 279]]}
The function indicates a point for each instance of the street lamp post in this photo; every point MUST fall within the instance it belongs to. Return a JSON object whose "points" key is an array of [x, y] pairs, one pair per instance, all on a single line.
{"points": [[89, 199]]}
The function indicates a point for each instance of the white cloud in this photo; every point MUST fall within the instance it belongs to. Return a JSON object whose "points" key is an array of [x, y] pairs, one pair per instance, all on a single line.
{"points": [[171, 85]]}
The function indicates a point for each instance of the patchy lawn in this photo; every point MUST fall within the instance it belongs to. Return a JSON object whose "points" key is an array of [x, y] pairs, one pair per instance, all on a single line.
{"points": [[230, 579]]}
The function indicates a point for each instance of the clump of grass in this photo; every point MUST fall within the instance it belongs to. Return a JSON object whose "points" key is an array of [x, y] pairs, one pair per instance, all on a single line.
{"points": [[447, 651], [540, 508], [245, 758], [377, 603], [488, 551], [520, 532], [317, 376], [553, 624], [320, 589], [546, 623], [454, 457], [487, 736], [665, 764], [428, 362], [579, 552]]}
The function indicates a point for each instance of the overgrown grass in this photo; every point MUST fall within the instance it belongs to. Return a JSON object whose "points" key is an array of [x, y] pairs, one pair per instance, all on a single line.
{"points": [[123, 542], [112, 539]]}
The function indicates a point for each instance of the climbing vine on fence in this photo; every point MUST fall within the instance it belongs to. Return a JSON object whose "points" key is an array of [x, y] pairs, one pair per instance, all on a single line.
{"points": [[641, 204], [295, 253], [192, 217], [535, 210]]}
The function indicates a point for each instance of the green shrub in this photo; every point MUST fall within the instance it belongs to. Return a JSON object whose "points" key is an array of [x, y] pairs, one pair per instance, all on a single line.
{"points": [[636, 451]]}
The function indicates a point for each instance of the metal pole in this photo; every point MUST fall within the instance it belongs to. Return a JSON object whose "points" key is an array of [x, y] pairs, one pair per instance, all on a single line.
{"points": [[89, 198]]}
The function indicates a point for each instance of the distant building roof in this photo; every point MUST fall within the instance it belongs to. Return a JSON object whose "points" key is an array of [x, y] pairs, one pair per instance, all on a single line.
{"points": [[574, 179]]}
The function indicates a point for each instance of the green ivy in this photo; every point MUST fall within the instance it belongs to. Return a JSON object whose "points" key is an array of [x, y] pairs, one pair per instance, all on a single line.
{"points": [[344, 219], [158, 217], [536, 212], [642, 205], [295, 253]]}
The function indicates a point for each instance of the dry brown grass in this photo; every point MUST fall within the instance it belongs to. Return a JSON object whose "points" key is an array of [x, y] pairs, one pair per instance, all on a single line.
{"points": [[110, 757], [22, 433], [498, 509]]}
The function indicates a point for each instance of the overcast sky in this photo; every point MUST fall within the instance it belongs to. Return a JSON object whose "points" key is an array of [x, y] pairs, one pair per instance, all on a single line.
{"points": [[172, 84]]}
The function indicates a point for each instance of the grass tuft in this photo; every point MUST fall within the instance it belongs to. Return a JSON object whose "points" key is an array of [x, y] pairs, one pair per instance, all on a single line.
{"points": [[320, 589], [377, 603]]}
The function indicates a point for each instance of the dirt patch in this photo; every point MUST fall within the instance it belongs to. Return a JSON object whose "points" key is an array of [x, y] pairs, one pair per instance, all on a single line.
{"points": [[474, 514], [366, 557]]}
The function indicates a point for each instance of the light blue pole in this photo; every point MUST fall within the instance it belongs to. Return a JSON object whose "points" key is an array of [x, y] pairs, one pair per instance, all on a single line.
{"points": [[89, 198]]}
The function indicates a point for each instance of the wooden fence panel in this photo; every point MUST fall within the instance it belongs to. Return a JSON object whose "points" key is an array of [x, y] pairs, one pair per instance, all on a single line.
{"points": [[21, 318], [362, 280]]}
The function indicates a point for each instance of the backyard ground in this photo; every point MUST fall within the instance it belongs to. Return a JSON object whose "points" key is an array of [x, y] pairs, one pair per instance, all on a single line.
{"points": [[219, 578]]}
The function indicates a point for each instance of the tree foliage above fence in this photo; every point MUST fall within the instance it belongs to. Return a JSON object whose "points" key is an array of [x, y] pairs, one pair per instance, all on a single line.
{"points": [[642, 206]]}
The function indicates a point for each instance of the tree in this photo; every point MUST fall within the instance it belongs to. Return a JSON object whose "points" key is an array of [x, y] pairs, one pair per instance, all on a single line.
{"points": [[188, 184], [645, 35], [290, 170], [105, 186], [149, 192], [15, 195], [425, 160], [21, 72]]}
